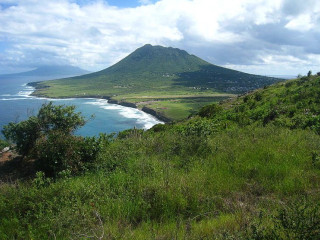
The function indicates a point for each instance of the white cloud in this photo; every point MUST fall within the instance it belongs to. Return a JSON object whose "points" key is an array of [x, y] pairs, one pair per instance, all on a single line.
{"points": [[301, 23], [96, 35]]}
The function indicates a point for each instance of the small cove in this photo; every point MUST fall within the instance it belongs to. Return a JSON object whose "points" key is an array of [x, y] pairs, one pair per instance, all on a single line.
{"points": [[16, 104]]}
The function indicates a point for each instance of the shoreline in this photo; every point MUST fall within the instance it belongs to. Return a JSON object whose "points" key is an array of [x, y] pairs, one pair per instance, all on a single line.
{"points": [[144, 109]]}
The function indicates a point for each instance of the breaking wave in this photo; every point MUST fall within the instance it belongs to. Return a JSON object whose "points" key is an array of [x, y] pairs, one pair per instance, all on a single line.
{"points": [[142, 118]]}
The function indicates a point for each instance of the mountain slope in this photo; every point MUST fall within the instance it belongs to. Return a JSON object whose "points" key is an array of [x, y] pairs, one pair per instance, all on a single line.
{"points": [[156, 74], [184, 69], [156, 59], [166, 68]]}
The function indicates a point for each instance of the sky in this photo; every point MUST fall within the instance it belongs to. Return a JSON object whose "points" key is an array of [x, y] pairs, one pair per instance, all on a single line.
{"points": [[267, 37]]}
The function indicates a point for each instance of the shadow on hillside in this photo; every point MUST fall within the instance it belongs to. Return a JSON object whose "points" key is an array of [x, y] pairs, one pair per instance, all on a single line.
{"points": [[15, 168], [222, 79]]}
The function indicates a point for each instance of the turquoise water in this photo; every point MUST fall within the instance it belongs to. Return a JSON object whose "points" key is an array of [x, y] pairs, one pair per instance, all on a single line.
{"points": [[16, 104]]}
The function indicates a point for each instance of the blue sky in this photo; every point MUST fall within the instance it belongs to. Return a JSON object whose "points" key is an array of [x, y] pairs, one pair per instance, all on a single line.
{"points": [[269, 37], [118, 3]]}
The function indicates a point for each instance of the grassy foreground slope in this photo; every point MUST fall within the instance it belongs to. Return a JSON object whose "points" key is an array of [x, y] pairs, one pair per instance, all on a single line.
{"points": [[292, 104], [153, 74], [236, 171]]}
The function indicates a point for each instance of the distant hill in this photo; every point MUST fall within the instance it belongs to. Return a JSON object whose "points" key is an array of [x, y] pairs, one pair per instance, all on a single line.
{"points": [[49, 71], [165, 80], [186, 70], [163, 69]]}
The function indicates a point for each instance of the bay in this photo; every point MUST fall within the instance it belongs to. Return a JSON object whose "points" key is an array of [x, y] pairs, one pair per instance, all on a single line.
{"points": [[16, 105]]}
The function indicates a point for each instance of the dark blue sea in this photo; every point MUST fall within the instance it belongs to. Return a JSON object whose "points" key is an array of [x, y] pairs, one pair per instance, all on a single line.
{"points": [[16, 105]]}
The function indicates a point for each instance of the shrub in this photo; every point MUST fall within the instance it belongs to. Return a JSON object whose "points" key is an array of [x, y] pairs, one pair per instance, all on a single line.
{"points": [[50, 118], [159, 127], [210, 110], [48, 138], [130, 133], [3, 144], [58, 151], [300, 219], [24, 134], [258, 96], [62, 152]]}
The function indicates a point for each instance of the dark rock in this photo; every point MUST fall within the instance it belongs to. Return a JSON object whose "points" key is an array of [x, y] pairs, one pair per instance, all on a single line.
{"points": [[155, 114]]}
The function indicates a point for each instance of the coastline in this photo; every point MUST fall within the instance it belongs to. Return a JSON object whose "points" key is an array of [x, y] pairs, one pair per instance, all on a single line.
{"points": [[144, 109]]}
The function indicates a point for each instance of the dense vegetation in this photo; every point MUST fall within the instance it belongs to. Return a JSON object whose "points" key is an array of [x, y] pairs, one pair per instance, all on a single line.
{"points": [[248, 168], [292, 104], [3, 144], [163, 79]]}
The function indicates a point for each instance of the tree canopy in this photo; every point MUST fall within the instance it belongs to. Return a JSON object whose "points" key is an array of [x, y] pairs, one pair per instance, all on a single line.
{"points": [[50, 118], [48, 138]]}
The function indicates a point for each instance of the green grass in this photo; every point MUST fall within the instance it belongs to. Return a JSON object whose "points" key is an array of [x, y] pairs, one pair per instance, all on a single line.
{"points": [[249, 168], [179, 108], [175, 104], [165, 185], [293, 104]]}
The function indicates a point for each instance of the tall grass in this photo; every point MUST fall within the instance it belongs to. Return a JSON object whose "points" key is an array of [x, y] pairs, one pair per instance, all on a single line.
{"points": [[169, 186]]}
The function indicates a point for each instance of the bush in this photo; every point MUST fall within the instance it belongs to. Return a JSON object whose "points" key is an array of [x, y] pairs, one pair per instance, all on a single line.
{"points": [[130, 133], [50, 118], [210, 110], [57, 152], [23, 134], [3, 144], [258, 96], [300, 219], [48, 138], [62, 152]]}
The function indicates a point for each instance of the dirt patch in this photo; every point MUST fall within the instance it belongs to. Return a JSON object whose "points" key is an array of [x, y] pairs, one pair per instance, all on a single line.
{"points": [[7, 156], [14, 167]]}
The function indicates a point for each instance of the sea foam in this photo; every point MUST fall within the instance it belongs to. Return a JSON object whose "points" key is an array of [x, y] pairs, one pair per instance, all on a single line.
{"points": [[142, 118], [12, 99]]}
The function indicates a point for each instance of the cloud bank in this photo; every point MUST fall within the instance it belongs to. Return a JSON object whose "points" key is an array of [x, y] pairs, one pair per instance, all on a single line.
{"points": [[257, 36]]}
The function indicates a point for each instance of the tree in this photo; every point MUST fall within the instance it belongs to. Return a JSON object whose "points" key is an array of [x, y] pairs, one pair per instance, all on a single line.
{"points": [[24, 134], [61, 117], [48, 138], [58, 151], [309, 73], [50, 118]]}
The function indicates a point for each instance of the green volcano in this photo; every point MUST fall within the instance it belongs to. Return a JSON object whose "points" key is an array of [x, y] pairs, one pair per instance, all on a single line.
{"points": [[153, 73]]}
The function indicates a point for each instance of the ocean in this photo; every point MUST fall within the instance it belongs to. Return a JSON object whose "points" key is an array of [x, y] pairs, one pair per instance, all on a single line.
{"points": [[16, 105]]}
